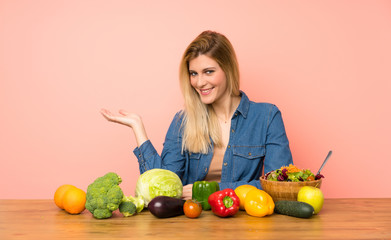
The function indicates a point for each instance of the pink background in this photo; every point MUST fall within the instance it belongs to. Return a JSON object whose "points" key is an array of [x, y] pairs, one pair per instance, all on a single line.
{"points": [[325, 64]]}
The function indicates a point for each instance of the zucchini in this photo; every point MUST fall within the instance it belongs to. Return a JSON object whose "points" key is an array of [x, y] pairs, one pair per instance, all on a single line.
{"points": [[294, 208]]}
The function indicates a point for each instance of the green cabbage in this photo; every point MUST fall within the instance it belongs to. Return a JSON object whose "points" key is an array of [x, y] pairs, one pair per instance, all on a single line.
{"points": [[158, 182]]}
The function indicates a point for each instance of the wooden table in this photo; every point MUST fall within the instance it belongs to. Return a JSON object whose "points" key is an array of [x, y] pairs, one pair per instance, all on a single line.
{"points": [[339, 219]]}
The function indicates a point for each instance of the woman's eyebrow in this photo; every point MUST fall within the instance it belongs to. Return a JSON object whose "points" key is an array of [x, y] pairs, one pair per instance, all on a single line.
{"points": [[207, 68]]}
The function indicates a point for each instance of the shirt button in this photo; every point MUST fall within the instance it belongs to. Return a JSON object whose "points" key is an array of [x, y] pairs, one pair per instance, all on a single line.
{"points": [[225, 164], [139, 155], [206, 169], [249, 154], [232, 130], [236, 114], [229, 146]]}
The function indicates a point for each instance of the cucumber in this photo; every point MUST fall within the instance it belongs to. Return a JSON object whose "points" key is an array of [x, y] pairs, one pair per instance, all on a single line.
{"points": [[294, 208]]}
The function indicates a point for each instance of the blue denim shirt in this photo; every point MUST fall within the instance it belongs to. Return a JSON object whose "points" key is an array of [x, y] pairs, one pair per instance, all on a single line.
{"points": [[257, 139]]}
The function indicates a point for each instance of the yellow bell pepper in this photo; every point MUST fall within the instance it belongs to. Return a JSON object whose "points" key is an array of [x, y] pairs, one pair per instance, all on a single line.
{"points": [[258, 203]]}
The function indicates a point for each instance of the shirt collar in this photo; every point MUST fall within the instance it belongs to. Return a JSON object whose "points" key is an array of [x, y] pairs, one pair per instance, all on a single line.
{"points": [[244, 105]]}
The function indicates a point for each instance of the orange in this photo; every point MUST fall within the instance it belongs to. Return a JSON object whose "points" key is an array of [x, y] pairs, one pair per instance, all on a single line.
{"points": [[74, 200], [242, 191], [59, 194]]}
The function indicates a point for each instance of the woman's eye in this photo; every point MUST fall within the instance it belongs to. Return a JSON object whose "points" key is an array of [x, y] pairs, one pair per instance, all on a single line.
{"points": [[209, 71], [193, 74]]}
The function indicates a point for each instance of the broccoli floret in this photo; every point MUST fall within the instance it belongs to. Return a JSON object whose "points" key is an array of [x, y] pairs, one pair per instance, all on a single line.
{"points": [[104, 195], [137, 201], [127, 208], [101, 213]]}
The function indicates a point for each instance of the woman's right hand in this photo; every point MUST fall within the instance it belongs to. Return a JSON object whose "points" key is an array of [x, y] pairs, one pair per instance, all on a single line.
{"points": [[128, 119], [124, 117]]}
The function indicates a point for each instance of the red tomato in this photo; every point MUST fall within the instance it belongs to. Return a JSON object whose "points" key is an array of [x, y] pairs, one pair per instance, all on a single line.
{"points": [[310, 178], [192, 208]]}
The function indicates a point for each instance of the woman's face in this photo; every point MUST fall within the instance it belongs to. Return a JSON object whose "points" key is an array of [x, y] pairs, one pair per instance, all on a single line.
{"points": [[208, 79]]}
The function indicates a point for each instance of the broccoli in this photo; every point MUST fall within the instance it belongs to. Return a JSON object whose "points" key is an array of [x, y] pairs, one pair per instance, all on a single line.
{"points": [[127, 208], [104, 195], [137, 201]]}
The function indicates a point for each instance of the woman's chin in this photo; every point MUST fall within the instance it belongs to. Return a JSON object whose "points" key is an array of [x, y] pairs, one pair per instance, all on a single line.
{"points": [[206, 99]]}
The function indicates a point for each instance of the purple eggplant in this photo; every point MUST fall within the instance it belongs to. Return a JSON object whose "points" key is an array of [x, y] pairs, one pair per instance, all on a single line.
{"points": [[165, 207]]}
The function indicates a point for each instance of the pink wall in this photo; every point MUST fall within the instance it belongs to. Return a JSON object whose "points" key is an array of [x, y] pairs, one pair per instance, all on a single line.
{"points": [[325, 64]]}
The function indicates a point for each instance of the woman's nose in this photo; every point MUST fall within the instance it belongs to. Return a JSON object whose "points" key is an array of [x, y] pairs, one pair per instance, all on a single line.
{"points": [[201, 81]]}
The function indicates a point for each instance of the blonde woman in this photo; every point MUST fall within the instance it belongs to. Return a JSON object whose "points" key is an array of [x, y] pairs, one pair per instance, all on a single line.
{"points": [[220, 135]]}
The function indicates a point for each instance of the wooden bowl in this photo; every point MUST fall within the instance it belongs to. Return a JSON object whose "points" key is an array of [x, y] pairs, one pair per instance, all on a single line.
{"points": [[286, 190]]}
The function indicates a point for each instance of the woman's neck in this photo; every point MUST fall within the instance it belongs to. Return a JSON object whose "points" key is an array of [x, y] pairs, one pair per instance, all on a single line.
{"points": [[225, 109]]}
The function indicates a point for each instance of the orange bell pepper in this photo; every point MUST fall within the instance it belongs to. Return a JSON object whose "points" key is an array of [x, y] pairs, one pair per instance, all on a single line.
{"points": [[258, 203]]}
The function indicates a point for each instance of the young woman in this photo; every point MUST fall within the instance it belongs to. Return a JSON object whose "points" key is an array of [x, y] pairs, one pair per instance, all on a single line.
{"points": [[220, 135]]}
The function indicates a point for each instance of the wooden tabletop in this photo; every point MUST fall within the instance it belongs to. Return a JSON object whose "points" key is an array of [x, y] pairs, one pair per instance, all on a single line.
{"points": [[339, 219]]}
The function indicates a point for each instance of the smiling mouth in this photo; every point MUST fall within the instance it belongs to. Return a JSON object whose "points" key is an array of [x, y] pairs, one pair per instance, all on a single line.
{"points": [[206, 91]]}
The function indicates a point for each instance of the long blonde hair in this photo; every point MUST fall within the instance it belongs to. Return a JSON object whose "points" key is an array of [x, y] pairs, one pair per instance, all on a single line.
{"points": [[200, 123]]}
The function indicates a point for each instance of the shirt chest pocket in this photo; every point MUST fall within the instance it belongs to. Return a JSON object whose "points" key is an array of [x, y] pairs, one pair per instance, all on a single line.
{"points": [[249, 152], [195, 156], [247, 162], [194, 164]]}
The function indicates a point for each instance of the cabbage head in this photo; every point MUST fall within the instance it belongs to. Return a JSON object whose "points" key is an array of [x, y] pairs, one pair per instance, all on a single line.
{"points": [[158, 182]]}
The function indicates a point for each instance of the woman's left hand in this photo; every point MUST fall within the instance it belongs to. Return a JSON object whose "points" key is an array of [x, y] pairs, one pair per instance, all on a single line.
{"points": [[187, 191]]}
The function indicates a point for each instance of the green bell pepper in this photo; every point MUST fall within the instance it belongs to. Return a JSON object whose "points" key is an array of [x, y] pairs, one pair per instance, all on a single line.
{"points": [[201, 191]]}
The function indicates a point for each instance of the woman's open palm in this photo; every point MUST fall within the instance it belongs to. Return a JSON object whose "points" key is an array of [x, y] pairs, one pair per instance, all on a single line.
{"points": [[124, 117], [128, 119]]}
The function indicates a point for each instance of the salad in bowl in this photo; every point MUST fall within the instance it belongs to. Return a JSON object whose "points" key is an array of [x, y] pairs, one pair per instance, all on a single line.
{"points": [[292, 174]]}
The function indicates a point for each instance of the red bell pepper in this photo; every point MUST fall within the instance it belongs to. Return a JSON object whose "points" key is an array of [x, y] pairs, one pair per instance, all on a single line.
{"points": [[224, 203]]}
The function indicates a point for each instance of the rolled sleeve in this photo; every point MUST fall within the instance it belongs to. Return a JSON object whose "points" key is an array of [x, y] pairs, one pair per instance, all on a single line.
{"points": [[146, 155]]}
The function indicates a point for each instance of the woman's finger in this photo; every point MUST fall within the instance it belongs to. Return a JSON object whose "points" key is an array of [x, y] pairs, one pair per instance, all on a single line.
{"points": [[187, 191], [107, 114], [122, 119], [123, 112]]}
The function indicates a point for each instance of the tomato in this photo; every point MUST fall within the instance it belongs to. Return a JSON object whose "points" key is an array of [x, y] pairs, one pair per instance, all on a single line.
{"points": [[192, 208], [310, 178]]}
